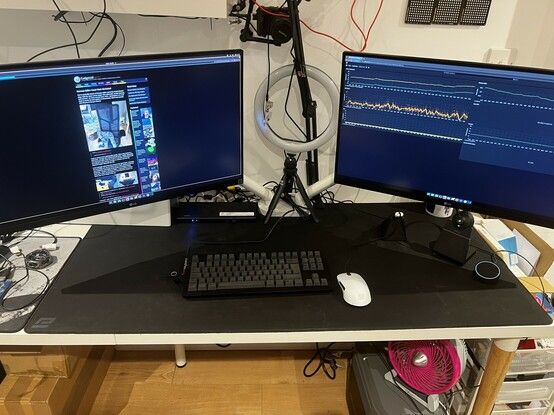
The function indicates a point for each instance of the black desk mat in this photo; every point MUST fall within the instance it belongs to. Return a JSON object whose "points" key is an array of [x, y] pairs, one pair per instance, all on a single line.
{"points": [[117, 282]]}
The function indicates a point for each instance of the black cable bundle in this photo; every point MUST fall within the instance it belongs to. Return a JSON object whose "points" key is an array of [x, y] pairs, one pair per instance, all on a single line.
{"points": [[327, 362]]}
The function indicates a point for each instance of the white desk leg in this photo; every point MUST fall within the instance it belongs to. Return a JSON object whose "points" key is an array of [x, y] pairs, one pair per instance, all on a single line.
{"points": [[500, 358], [180, 356]]}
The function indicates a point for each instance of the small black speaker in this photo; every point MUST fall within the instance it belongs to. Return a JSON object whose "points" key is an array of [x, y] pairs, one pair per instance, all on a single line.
{"points": [[452, 245]]}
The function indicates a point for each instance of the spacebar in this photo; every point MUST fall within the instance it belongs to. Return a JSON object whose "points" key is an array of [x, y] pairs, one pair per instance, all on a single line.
{"points": [[241, 284]]}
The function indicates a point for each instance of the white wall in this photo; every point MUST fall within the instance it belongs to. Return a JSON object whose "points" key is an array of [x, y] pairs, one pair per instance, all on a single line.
{"points": [[532, 33], [207, 8], [24, 33]]}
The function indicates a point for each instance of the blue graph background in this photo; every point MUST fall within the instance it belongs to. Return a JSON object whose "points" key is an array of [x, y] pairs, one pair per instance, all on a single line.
{"points": [[399, 102], [513, 127]]}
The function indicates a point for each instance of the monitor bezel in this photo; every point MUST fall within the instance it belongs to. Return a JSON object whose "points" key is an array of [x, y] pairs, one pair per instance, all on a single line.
{"points": [[420, 195], [84, 211]]}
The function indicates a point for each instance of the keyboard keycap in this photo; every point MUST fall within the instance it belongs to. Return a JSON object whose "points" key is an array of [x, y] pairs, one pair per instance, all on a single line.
{"points": [[242, 285]]}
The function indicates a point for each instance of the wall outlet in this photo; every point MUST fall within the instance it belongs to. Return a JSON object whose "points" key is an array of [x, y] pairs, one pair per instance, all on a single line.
{"points": [[500, 56]]}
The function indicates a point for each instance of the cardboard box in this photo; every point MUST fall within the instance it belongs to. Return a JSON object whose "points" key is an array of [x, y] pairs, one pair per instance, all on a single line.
{"points": [[31, 395], [49, 361], [546, 259]]}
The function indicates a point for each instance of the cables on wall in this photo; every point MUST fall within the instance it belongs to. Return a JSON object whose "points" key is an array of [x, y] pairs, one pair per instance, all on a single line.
{"points": [[61, 17], [365, 35]]}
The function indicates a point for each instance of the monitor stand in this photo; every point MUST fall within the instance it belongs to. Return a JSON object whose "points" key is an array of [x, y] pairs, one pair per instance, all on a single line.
{"points": [[155, 214], [438, 211]]}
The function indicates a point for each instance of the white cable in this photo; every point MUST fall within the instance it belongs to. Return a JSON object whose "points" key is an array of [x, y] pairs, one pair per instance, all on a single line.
{"points": [[260, 114], [50, 247]]}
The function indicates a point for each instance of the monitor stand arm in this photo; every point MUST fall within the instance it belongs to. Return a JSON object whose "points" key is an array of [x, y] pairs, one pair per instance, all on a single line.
{"points": [[309, 106]]}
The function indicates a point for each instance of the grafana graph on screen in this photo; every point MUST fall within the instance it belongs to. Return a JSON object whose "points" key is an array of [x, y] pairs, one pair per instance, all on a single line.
{"points": [[494, 115]]}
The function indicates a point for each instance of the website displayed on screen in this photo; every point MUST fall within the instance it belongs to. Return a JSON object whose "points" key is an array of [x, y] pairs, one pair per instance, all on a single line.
{"points": [[112, 133]]}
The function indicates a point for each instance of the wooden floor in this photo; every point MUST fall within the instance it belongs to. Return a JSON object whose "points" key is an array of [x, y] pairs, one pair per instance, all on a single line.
{"points": [[219, 382]]}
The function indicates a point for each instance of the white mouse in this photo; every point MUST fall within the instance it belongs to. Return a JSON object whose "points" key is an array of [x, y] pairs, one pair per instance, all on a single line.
{"points": [[354, 289]]}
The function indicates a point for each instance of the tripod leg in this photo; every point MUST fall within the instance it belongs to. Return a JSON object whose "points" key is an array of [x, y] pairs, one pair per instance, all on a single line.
{"points": [[276, 199], [305, 197]]}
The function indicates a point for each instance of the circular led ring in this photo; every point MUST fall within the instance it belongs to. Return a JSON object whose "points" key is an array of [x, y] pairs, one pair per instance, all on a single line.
{"points": [[485, 277], [259, 109]]}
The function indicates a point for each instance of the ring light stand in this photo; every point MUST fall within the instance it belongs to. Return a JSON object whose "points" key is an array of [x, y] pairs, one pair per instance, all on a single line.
{"points": [[309, 106], [290, 172]]}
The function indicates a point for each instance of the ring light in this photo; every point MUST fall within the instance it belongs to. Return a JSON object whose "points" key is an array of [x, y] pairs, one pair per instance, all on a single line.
{"points": [[260, 116]]}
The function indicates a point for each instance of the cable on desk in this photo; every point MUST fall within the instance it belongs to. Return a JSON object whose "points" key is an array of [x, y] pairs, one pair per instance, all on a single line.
{"points": [[26, 277], [5, 261], [31, 233], [327, 362]]}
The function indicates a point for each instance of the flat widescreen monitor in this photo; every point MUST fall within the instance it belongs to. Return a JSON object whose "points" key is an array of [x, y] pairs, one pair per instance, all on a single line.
{"points": [[90, 136], [472, 136]]}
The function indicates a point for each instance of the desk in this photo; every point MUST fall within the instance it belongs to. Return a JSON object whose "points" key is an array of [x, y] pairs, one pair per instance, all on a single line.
{"points": [[115, 290]]}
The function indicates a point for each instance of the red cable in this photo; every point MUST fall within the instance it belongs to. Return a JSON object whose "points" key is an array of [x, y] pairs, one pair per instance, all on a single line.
{"points": [[365, 36], [372, 24], [268, 11], [354, 20], [327, 36]]}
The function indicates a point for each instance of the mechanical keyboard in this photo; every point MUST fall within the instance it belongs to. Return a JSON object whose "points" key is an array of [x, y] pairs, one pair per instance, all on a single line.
{"points": [[255, 273]]}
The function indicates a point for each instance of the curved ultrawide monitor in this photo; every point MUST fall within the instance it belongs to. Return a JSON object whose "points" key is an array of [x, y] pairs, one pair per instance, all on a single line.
{"points": [[476, 137], [90, 136]]}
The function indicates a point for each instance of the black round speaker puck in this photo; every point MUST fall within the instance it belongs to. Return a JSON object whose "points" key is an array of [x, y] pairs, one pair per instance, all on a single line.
{"points": [[487, 271]]}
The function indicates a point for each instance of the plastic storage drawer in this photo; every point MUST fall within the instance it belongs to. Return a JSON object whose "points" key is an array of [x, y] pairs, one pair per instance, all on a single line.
{"points": [[532, 361], [503, 410], [529, 390]]}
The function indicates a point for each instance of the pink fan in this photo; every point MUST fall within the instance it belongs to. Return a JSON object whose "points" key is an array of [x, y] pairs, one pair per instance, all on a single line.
{"points": [[430, 367]]}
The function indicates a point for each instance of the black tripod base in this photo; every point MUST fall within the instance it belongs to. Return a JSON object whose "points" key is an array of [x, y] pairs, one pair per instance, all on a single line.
{"points": [[289, 181]]}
